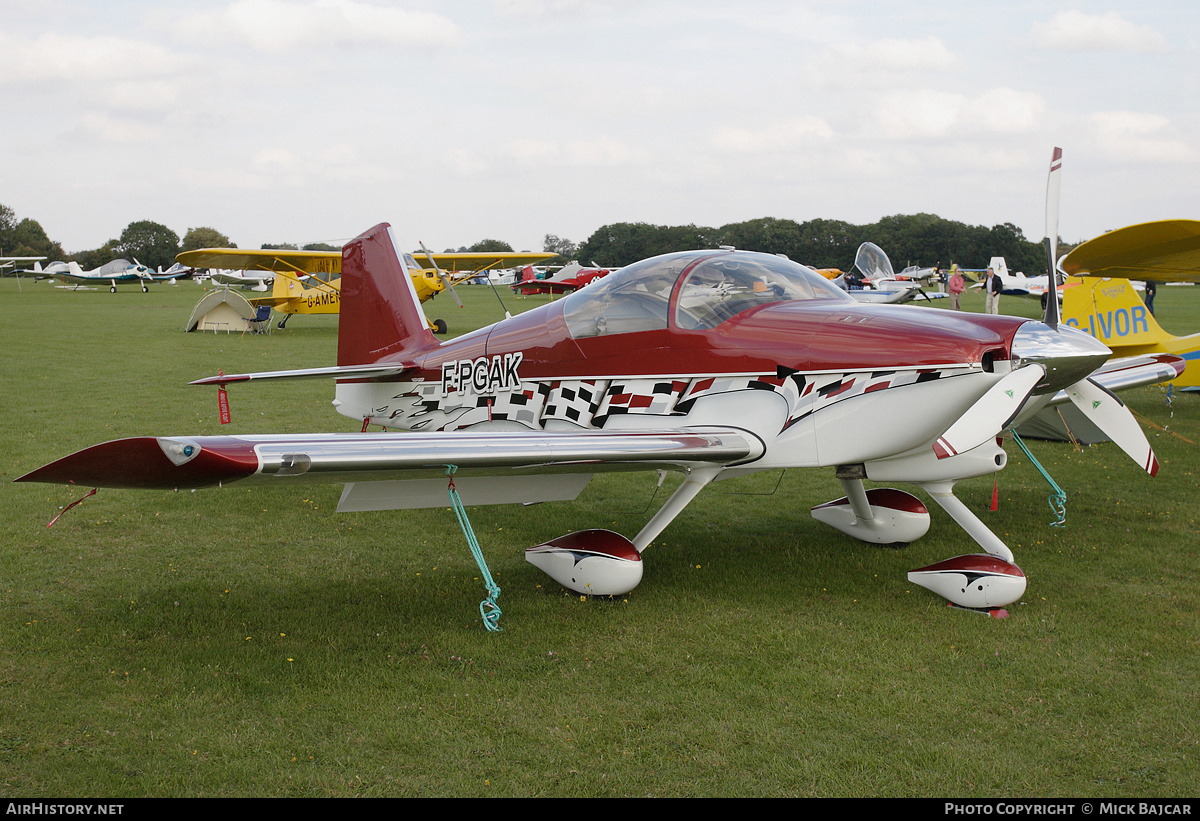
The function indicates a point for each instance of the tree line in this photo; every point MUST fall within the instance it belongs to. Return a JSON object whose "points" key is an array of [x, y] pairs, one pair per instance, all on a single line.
{"points": [[913, 239]]}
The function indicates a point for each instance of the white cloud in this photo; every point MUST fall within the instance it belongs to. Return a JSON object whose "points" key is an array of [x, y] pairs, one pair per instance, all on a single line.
{"points": [[282, 26], [65, 58], [1005, 111], [113, 129], [927, 113], [920, 113], [599, 152], [784, 136], [1075, 31], [1131, 136], [927, 54], [883, 62]]}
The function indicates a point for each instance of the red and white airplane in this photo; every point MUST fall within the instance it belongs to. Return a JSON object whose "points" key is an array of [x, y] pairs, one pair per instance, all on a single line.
{"points": [[712, 364], [566, 280]]}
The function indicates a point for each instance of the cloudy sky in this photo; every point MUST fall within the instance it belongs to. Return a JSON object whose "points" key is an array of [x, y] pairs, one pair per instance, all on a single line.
{"points": [[312, 120]]}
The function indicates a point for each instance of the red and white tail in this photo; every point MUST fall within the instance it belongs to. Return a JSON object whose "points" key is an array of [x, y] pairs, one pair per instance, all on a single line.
{"points": [[381, 314]]}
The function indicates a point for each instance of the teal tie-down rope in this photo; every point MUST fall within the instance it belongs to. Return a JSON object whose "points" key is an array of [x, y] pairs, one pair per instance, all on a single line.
{"points": [[1058, 499], [488, 609]]}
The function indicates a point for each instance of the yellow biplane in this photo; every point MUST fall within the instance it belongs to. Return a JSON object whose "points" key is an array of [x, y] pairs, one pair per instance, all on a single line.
{"points": [[1098, 297], [309, 282]]}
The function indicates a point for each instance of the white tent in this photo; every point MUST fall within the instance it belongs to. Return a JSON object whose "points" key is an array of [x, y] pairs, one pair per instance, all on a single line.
{"points": [[227, 311]]}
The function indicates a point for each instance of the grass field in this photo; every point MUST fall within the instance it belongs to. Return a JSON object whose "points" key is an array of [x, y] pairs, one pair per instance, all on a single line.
{"points": [[254, 642]]}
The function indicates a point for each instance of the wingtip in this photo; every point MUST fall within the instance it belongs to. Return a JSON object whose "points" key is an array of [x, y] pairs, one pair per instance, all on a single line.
{"points": [[141, 462]]}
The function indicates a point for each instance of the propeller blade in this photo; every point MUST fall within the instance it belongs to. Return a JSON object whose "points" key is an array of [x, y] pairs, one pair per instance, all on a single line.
{"points": [[449, 286], [991, 413], [1053, 185], [1104, 410]]}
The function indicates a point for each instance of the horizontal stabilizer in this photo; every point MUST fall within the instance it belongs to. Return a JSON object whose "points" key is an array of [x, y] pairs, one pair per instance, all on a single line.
{"points": [[381, 371]]}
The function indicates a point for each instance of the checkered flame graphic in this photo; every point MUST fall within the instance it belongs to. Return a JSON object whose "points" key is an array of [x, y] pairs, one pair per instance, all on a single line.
{"points": [[589, 403]]}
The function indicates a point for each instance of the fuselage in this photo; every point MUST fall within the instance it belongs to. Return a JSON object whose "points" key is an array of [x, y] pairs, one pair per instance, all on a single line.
{"points": [[700, 339]]}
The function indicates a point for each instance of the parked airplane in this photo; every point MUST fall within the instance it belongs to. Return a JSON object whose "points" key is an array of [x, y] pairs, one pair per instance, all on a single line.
{"points": [[569, 278], [309, 282], [1011, 284], [113, 273], [1103, 302], [710, 363], [877, 280]]}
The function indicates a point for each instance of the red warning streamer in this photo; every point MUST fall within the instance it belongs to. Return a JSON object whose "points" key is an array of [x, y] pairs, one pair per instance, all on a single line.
{"points": [[223, 402], [92, 492]]}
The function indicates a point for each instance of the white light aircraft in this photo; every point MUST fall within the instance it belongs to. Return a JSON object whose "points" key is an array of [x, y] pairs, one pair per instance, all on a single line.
{"points": [[118, 271], [712, 364]]}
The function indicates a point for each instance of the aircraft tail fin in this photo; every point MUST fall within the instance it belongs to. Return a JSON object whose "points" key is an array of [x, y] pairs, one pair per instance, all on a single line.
{"points": [[381, 314], [527, 274], [1111, 311]]}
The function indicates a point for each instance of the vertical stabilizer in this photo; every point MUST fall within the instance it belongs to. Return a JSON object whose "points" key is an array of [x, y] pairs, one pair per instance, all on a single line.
{"points": [[381, 314]]}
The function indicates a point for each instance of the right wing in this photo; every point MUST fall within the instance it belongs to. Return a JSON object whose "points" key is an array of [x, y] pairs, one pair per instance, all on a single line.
{"points": [[1132, 372]]}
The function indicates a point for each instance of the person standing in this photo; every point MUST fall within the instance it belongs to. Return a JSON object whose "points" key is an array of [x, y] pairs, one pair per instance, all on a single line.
{"points": [[956, 286], [1151, 290], [992, 292]]}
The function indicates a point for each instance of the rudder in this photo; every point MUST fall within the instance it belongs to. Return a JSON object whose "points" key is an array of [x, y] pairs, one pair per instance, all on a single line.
{"points": [[1111, 311], [381, 314]]}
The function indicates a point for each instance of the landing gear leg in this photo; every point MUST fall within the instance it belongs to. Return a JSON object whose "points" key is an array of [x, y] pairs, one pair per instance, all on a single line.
{"points": [[943, 494], [693, 484]]}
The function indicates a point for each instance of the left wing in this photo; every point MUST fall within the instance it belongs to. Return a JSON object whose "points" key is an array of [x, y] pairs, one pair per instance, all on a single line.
{"points": [[303, 262], [395, 470]]}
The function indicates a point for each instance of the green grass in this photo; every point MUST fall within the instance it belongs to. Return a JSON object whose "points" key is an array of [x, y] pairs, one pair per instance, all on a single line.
{"points": [[256, 643]]}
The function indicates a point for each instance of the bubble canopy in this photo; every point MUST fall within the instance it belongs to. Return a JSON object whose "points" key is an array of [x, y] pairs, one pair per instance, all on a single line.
{"points": [[692, 290]]}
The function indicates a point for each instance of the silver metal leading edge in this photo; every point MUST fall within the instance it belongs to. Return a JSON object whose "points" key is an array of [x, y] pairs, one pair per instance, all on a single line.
{"points": [[358, 454]]}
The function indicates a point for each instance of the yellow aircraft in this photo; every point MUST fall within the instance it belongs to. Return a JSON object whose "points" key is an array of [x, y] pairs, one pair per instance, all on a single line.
{"points": [[309, 282], [1098, 297]]}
